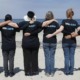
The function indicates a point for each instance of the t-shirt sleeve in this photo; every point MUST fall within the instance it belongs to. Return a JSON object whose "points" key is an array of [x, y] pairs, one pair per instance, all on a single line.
{"points": [[77, 25], [63, 23], [22, 25], [57, 25]]}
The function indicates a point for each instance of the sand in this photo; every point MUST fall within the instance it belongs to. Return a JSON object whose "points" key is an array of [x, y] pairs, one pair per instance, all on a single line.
{"points": [[59, 63]]}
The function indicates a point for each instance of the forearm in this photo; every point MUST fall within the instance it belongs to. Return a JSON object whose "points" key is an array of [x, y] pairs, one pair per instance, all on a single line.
{"points": [[72, 35], [58, 31], [78, 29], [75, 34], [46, 23], [4, 23], [13, 25]]}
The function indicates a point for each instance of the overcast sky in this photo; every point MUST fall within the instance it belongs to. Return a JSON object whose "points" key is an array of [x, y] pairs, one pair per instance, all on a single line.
{"points": [[19, 8]]}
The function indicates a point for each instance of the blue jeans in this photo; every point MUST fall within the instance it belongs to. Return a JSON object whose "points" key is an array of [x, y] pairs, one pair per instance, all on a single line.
{"points": [[49, 51], [69, 52]]}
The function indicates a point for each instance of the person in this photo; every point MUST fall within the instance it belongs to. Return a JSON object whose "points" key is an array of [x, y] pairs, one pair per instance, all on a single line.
{"points": [[69, 45], [49, 44], [8, 45], [30, 51]]}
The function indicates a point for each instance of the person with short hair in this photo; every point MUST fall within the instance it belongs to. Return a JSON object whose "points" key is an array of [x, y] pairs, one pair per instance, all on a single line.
{"points": [[8, 34], [30, 45]]}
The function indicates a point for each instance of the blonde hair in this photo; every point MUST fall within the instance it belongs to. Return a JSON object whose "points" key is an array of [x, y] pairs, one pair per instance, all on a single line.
{"points": [[49, 15], [69, 13]]}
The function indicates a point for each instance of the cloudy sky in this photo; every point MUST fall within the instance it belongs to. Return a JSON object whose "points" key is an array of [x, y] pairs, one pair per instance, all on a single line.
{"points": [[19, 8]]}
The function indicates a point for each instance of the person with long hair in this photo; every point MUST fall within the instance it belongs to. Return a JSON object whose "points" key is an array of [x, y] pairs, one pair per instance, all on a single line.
{"points": [[8, 45], [49, 44], [68, 26]]}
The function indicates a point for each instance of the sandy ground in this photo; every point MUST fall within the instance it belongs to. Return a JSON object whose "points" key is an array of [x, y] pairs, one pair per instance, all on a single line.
{"points": [[59, 63]]}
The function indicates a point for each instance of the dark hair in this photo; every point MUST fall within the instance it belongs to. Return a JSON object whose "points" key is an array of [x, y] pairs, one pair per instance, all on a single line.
{"points": [[8, 17], [49, 15], [30, 14], [69, 13]]}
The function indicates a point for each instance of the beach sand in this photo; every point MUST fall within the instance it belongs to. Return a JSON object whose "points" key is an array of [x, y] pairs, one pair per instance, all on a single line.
{"points": [[59, 63]]}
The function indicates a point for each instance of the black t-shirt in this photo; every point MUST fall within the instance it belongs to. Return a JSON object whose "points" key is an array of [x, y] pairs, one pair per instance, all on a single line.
{"points": [[48, 30], [31, 41], [8, 37], [78, 32], [69, 26]]}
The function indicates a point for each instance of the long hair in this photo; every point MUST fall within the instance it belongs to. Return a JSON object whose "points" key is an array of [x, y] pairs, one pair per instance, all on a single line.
{"points": [[49, 15], [69, 13]]}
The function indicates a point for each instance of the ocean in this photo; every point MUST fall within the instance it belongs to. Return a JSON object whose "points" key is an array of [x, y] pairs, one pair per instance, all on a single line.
{"points": [[41, 20]]}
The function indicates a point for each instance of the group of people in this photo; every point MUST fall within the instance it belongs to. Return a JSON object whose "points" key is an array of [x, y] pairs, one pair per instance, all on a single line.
{"points": [[30, 42]]}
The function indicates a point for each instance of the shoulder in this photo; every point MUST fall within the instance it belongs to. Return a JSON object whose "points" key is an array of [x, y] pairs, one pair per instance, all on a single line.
{"points": [[64, 20], [55, 22], [37, 23], [23, 22], [74, 20]]}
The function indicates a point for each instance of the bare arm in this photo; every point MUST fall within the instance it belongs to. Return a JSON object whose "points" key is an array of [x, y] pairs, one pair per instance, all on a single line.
{"points": [[73, 34], [46, 23], [56, 32], [59, 30], [4, 23], [78, 29], [13, 25]]}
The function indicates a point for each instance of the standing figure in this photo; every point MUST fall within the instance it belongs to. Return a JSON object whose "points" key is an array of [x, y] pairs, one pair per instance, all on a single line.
{"points": [[30, 43], [49, 44], [8, 45]]}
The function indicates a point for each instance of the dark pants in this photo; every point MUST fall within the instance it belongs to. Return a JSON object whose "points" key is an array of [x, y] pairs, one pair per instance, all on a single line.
{"points": [[69, 52], [8, 57], [30, 60]]}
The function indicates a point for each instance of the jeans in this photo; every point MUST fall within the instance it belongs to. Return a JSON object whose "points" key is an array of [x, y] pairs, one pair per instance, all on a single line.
{"points": [[69, 52], [49, 51], [8, 57]]}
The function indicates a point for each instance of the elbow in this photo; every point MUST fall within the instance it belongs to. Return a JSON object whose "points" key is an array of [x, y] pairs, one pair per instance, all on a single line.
{"points": [[17, 26], [59, 31]]}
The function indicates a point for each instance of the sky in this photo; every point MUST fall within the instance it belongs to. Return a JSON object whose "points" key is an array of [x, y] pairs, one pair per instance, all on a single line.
{"points": [[19, 8]]}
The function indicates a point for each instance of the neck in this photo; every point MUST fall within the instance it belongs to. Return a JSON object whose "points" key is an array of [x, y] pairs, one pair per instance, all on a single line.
{"points": [[32, 20], [69, 18]]}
